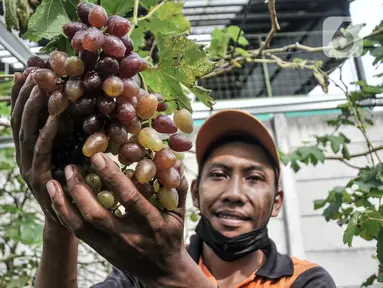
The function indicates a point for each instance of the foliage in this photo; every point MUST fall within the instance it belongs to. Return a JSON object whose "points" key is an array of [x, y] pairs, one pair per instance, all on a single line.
{"points": [[356, 206]]}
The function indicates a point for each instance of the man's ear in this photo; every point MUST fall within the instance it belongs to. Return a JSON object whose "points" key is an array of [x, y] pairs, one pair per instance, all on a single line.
{"points": [[278, 203], [195, 195]]}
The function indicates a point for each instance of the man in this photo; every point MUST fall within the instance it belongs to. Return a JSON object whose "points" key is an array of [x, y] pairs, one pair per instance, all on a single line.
{"points": [[236, 192]]}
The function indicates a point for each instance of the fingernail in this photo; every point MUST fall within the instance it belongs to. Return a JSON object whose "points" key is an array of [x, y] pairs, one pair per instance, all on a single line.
{"points": [[68, 172], [51, 187], [99, 161]]}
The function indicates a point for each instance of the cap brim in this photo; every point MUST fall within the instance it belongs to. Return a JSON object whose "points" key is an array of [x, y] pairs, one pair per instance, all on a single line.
{"points": [[228, 122]]}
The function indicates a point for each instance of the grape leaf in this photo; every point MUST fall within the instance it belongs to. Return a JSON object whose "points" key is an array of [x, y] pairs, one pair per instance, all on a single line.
{"points": [[49, 17], [350, 230], [182, 61], [233, 32], [60, 43], [379, 245], [148, 3], [118, 7], [11, 19], [137, 37]]}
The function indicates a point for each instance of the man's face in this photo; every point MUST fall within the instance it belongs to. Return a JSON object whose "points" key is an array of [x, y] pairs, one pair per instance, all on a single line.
{"points": [[237, 188]]}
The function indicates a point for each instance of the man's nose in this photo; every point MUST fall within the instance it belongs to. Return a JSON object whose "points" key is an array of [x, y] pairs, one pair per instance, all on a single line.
{"points": [[234, 192]]}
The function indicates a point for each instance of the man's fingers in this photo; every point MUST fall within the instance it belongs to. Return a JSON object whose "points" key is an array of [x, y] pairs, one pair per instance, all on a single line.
{"points": [[18, 111], [124, 189], [86, 202], [29, 130], [43, 149], [64, 209], [18, 82]]}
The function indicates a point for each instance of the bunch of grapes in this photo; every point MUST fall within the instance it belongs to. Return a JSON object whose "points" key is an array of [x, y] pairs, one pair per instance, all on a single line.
{"points": [[102, 108]]}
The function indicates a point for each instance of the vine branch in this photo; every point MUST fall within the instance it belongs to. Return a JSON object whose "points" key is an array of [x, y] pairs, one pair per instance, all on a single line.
{"points": [[150, 14], [135, 16]]}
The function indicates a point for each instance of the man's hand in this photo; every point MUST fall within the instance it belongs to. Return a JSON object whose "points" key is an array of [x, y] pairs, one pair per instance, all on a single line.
{"points": [[145, 241]]}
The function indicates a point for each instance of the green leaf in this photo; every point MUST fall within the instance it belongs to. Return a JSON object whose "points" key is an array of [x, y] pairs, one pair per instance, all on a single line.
{"points": [[60, 43], [233, 32], [370, 280], [381, 210], [49, 17], [137, 37], [11, 19], [319, 204], [350, 230], [118, 7], [379, 245], [219, 43], [148, 3], [335, 143], [182, 61]]}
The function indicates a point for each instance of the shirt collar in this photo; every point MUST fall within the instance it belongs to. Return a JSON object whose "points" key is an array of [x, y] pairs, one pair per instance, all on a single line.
{"points": [[275, 267]]}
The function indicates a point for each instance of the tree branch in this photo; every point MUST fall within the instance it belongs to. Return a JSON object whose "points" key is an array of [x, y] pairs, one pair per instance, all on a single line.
{"points": [[341, 158]]}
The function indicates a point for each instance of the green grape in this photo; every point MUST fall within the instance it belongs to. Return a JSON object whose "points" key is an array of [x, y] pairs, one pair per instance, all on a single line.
{"points": [[117, 212], [184, 120], [74, 89], [106, 199], [146, 106], [57, 60], [145, 171], [95, 143], [113, 86], [57, 103], [194, 217], [94, 182], [168, 198], [179, 155], [149, 138], [74, 66]]}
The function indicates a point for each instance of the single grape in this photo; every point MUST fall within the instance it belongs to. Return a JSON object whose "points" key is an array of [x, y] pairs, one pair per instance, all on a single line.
{"points": [[117, 212], [170, 178], [98, 16], [134, 101], [132, 152], [95, 143], [130, 88], [83, 10], [113, 147], [57, 60], [124, 161], [164, 159], [70, 29], [130, 66], [194, 216], [145, 189], [114, 47], [145, 171], [77, 40], [74, 66], [46, 79], [164, 124], [184, 120], [133, 126], [133, 139], [106, 105], [57, 103], [146, 106], [117, 133], [94, 182], [179, 143], [106, 199], [149, 138], [118, 26], [113, 86], [179, 155], [92, 124], [144, 65], [74, 89], [129, 45], [168, 198], [30, 70], [156, 186], [125, 112], [129, 173], [93, 39], [108, 66], [92, 81], [89, 58], [35, 61], [86, 105]]}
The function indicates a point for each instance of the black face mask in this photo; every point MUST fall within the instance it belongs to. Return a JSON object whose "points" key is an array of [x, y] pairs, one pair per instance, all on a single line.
{"points": [[232, 248]]}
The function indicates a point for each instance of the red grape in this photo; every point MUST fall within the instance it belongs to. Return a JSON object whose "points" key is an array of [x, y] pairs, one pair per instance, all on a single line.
{"points": [[118, 26], [164, 159], [35, 61], [130, 66], [133, 152], [77, 40], [108, 66], [113, 86], [114, 47], [93, 39], [146, 106], [164, 124], [106, 105], [98, 16], [92, 81], [92, 124], [117, 133], [179, 143], [70, 29], [125, 112], [129, 45], [83, 10]]}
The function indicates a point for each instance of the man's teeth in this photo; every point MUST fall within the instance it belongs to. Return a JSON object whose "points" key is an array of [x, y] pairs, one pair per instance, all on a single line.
{"points": [[230, 217]]}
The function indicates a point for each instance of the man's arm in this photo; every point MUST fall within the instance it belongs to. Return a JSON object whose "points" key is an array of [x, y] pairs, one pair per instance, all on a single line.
{"points": [[316, 277], [58, 266]]}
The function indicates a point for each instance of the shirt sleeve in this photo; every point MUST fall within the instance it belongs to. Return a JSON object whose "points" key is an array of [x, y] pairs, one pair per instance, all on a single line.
{"points": [[118, 279], [316, 277]]}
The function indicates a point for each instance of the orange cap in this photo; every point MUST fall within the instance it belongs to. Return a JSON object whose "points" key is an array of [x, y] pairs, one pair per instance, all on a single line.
{"points": [[230, 122]]}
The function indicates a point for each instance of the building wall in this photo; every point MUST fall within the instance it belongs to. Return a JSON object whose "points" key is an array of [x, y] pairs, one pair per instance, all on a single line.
{"points": [[322, 242]]}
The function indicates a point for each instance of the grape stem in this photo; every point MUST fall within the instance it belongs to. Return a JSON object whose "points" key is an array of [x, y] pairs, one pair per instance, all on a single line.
{"points": [[150, 14], [135, 16], [143, 82]]}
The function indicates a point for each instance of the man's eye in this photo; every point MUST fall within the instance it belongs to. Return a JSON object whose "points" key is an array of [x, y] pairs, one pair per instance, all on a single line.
{"points": [[255, 178], [217, 175]]}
